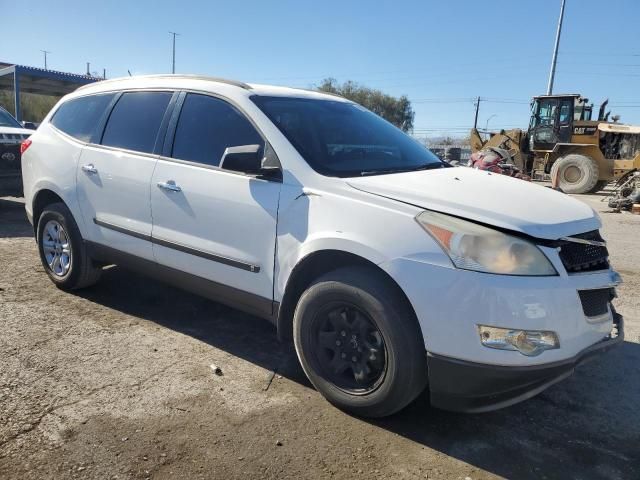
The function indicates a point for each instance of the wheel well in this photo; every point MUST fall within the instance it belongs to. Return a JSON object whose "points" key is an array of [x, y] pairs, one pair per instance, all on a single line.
{"points": [[309, 269], [41, 200]]}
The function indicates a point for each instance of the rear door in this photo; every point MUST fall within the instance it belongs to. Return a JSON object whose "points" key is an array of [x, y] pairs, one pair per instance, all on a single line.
{"points": [[115, 171], [215, 224]]}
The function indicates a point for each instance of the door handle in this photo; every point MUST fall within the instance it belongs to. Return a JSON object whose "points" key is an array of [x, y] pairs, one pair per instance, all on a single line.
{"points": [[89, 168], [169, 185]]}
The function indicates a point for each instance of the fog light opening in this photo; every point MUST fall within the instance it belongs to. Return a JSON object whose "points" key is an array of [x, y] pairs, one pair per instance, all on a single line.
{"points": [[528, 342]]}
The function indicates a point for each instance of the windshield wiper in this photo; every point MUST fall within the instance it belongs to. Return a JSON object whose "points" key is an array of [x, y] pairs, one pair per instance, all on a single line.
{"points": [[427, 166]]}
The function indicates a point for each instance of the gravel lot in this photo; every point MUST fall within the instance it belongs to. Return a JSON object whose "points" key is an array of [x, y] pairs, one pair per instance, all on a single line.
{"points": [[116, 382]]}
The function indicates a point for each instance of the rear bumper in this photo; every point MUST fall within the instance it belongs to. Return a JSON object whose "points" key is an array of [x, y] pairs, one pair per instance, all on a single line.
{"points": [[469, 387]]}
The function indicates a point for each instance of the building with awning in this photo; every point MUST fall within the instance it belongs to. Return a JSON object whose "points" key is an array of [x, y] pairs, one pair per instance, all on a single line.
{"points": [[18, 80]]}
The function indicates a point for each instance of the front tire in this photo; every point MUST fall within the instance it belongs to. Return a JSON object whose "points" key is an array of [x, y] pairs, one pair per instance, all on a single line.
{"points": [[359, 342], [576, 173], [62, 251]]}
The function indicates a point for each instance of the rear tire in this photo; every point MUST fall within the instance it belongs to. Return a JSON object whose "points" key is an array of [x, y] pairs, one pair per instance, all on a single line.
{"points": [[381, 370], [62, 251], [575, 173]]}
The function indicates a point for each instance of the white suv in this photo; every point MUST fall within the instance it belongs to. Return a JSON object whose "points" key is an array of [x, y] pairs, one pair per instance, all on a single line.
{"points": [[389, 269]]}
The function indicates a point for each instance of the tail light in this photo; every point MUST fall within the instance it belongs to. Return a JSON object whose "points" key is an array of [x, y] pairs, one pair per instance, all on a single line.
{"points": [[24, 145]]}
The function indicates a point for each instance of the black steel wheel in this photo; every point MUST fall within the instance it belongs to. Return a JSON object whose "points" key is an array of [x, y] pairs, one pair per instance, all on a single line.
{"points": [[359, 342], [349, 348]]}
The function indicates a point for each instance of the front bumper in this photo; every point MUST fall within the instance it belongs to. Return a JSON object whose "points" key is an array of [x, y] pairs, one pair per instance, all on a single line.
{"points": [[463, 386], [10, 169], [450, 304]]}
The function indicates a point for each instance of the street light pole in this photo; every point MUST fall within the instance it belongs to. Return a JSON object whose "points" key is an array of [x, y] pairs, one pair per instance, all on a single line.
{"points": [[554, 59], [173, 61], [486, 125]]}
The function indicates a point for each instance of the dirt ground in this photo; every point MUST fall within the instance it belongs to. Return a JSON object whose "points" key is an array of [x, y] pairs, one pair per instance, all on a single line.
{"points": [[115, 382]]}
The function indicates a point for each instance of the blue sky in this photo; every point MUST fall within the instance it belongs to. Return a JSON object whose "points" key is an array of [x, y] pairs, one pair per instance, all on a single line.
{"points": [[439, 53]]}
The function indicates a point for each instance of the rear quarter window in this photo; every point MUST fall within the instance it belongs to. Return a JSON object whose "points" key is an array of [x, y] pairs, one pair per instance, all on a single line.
{"points": [[79, 117]]}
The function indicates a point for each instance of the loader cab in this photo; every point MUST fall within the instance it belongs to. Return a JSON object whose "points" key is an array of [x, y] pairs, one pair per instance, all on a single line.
{"points": [[552, 118]]}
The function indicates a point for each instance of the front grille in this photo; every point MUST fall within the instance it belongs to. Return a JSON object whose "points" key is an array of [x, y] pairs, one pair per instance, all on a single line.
{"points": [[9, 158], [578, 257], [14, 137], [595, 302]]}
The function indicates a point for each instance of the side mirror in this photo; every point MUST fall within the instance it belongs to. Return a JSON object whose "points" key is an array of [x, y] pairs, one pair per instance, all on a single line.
{"points": [[244, 158], [29, 125], [252, 159]]}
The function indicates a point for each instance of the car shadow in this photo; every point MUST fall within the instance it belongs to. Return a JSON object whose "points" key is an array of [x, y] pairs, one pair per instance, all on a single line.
{"points": [[13, 219], [587, 426], [243, 335]]}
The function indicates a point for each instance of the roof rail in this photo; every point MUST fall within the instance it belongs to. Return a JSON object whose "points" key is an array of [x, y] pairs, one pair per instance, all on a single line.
{"points": [[322, 91], [186, 76]]}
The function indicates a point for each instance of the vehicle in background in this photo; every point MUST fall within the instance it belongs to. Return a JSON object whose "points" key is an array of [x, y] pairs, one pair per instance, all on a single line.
{"points": [[581, 155], [12, 134], [389, 269]]}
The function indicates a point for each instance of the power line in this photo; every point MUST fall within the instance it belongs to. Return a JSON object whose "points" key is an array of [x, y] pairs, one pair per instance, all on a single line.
{"points": [[601, 64], [602, 74], [602, 54], [395, 74]]}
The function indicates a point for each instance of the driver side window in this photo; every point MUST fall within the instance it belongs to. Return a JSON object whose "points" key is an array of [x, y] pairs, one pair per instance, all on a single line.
{"points": [[207, 126]]}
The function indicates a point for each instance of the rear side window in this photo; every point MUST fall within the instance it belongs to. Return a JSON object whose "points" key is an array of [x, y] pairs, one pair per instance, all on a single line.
{"points": [[207, 126], [135, 121], [79, 117]]}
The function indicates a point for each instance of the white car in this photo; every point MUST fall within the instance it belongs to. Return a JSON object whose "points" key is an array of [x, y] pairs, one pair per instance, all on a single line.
{"points": [[389, 269]]}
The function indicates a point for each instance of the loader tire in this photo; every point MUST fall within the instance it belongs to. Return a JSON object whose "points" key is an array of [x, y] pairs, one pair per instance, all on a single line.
{"points": [[575, 173]]}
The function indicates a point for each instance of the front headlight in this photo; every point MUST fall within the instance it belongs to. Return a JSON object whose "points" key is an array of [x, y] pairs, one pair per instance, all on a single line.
{"points": [[474, 247]]}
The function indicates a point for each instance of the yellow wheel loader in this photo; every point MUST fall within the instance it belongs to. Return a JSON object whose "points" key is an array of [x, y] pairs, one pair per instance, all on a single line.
{"points": [[580, 154]]}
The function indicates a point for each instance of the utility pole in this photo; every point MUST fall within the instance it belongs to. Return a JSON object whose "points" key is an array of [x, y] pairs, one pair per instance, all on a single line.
{"points": [[173, 62], [554, 59], [477, 104], [88, 69], [45, 58]]}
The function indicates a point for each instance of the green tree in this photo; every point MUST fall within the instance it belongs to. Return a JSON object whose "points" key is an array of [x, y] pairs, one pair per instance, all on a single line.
{"points": [[34, 106], [393, 109]]}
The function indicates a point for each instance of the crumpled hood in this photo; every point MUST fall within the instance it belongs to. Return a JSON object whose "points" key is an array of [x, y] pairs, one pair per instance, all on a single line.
{"points": [[488, 198]]}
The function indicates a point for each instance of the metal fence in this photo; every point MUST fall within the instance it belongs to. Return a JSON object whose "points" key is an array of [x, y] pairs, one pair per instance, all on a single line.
{"points": [[451, 152]]}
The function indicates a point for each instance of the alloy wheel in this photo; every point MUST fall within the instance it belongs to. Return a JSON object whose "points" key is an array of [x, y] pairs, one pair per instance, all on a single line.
{"points": [[56, 248]]}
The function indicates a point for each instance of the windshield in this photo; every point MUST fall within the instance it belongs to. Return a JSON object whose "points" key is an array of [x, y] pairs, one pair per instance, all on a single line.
{"points": [[545, 112], [344, 139], [6, 120]]}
